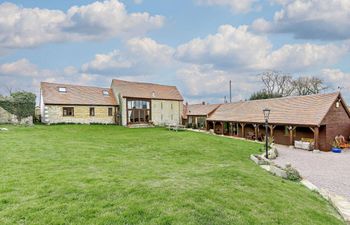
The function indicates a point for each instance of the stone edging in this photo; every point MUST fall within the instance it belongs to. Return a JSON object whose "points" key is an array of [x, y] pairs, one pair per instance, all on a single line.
{"points": [[338, 202], [341, 204]]}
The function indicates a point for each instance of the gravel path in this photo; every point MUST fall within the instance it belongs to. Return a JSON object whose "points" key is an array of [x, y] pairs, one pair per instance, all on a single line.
{"points": [[326, 170]]}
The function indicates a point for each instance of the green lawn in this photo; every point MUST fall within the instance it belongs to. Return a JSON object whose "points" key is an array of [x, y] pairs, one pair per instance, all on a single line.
{"points": [[76, 174]]}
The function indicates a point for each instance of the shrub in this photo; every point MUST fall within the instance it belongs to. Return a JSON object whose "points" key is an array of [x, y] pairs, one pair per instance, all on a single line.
{"points": [[21, 104], [292, 173]]}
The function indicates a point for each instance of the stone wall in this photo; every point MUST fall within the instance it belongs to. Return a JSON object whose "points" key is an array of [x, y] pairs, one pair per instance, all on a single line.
{"points": [[6, 117], [54, 114], [166, 112]]}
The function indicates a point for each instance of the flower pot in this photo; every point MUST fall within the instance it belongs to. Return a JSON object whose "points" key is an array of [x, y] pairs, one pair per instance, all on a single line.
{"points": [[336, 150]]}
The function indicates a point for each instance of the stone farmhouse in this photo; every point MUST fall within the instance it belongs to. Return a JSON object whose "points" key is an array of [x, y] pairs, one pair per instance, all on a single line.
{"points": [[125, 103]]}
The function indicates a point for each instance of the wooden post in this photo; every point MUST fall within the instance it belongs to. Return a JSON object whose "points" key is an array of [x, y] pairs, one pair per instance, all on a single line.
{"points": [[206, 125], [243, 131], [272, 127], [222, 128], [316, 131], [230, 129], [214, 126], [291, 138], [255, 131]]}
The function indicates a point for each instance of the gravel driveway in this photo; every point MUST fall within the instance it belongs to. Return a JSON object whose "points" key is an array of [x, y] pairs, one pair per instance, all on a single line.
{"points": [[326, 170]]}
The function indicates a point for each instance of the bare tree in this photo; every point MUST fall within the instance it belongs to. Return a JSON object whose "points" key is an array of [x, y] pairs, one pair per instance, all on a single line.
{"points": [[308, 85], [8, 89], [277, 83]]}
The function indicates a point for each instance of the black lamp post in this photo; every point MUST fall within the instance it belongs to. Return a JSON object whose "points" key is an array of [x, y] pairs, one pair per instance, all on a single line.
{"points": [[266, 116]]}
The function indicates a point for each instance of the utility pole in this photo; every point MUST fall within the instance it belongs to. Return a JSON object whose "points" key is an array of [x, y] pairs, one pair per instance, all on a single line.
{"points": [[230, 91]]}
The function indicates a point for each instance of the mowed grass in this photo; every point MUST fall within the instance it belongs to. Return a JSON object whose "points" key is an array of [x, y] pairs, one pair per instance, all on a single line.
{"points": [[80, 174]]}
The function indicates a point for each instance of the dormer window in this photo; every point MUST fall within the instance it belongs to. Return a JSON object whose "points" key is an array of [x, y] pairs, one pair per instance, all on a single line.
{"points": [[105, 93], [62, 89]]}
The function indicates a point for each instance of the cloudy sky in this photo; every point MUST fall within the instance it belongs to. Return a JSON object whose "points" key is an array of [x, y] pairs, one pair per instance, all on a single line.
{"points": [[198, 45]]}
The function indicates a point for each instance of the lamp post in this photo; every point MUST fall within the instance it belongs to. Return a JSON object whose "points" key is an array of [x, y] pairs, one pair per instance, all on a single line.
{"points": [[266, 116]]}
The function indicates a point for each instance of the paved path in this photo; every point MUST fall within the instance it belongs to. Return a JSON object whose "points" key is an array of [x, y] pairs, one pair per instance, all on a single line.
{"points": [[326, 170]]}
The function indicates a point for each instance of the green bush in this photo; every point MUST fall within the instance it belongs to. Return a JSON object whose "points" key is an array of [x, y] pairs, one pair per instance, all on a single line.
{"points": [[21, 104], [292, 174]]}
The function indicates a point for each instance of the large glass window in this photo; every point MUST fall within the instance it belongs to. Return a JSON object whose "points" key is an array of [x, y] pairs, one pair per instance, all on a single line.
{"points": [[138, 111]]}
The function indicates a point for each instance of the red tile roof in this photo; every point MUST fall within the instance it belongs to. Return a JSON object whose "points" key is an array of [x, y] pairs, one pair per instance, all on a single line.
{"points": [[296, 110], [146, 90], [76, 95], [201, 110]]}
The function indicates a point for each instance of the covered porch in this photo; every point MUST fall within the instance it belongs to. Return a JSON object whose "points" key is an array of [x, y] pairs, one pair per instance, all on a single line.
{"points": [[284, 134]]}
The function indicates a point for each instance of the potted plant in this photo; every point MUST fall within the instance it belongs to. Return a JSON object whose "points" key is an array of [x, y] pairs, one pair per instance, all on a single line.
{"points": [[335, 147]]}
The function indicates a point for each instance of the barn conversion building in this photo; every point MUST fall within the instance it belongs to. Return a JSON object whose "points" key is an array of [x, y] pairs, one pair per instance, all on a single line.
{"points": [[195, 115], [124, 103], [66, 103], [318, 117]]}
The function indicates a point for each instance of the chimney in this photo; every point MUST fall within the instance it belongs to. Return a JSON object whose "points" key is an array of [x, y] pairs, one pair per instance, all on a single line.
{"points": [[203, 103]]}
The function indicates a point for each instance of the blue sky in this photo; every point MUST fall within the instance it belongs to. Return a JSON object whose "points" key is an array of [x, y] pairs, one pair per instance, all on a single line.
{"points": [[198, 45]]}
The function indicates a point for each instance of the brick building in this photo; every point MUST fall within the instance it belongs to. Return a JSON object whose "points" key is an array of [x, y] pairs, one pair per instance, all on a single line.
{"points": [[319, 117]]}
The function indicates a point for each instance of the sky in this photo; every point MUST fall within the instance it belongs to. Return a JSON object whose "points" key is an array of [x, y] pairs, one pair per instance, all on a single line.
{"points": [[197, 45]]}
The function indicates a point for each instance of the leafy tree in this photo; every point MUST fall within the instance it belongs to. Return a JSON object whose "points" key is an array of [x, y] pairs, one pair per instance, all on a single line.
{"points": [[21, 104], [263, 94]]}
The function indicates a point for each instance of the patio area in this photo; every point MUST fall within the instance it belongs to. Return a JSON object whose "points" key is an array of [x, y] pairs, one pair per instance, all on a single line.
{"points": [[327, 170]]}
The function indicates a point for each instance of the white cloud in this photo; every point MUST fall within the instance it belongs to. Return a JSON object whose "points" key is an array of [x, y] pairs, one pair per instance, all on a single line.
{"points": [[337, 79], [140, 56], [24, 68], [237, 49], [236, 6], [301, 57], [309, 19], [24, 75], [204, 80], [229, 47], [27, 27]]}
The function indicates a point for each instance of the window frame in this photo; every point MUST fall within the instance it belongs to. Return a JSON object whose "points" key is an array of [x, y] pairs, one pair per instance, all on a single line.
{"points": [[92, 111], [136, 113], [110, 111], [67, 110]]}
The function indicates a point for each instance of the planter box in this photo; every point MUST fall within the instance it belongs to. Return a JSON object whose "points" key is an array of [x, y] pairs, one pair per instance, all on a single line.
{"points": [[303, 145]]}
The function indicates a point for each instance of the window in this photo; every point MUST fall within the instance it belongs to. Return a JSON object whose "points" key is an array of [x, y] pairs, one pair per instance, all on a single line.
{"points": [[161, 105], [68, 111], [92, 111], [139, 111], [110, 111], [62, 89], [105, 93], [172, 117], [171, 105]]}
